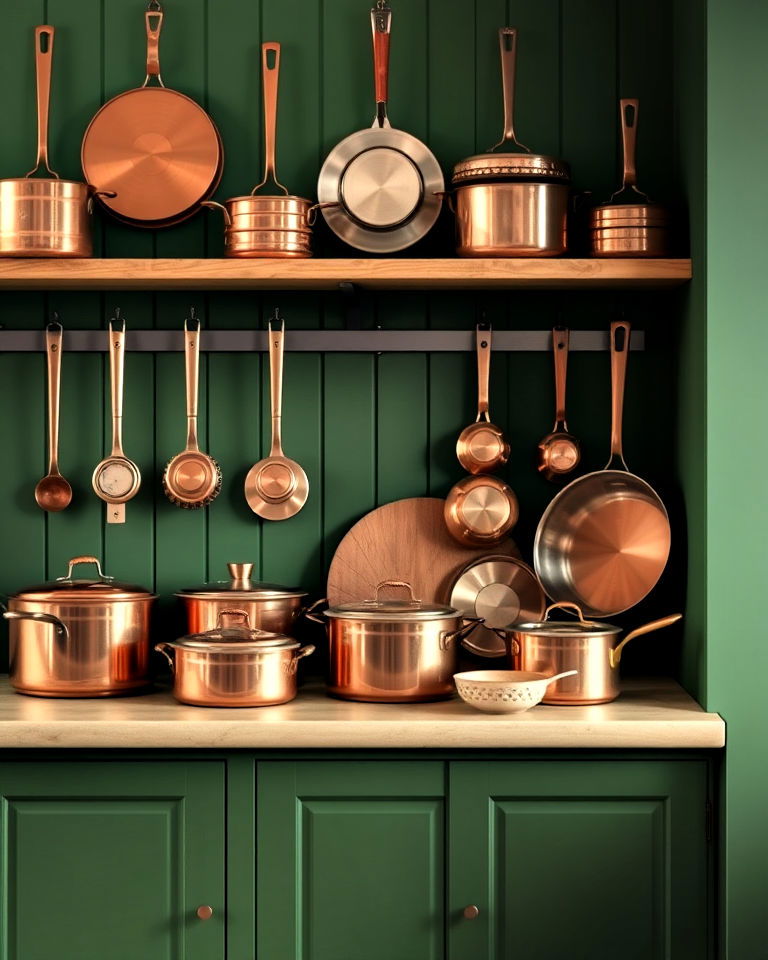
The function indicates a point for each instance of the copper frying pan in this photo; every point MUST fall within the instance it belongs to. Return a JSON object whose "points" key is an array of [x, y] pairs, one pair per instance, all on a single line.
{"points": [[381, 188], [156, 148], [604, 540]]}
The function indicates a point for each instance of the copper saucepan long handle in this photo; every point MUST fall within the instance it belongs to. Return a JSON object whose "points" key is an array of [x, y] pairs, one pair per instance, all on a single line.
{"points": [[53, 340], [614, 656], [116, 367], [620, 335], [154, 22], [560, 340], [276, 386], [381, 26], [508, 51], [43, 59], [628, 109], [270, 72], [192, 374], [483, 341]]}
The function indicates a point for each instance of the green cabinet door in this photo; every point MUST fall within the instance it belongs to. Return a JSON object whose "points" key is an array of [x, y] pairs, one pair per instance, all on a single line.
{"points": [[110, 860], [578, 859], [350, 860]]}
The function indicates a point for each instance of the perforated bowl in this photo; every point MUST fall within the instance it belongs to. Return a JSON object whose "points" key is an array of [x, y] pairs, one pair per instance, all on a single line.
{"points": [[504, 691]]}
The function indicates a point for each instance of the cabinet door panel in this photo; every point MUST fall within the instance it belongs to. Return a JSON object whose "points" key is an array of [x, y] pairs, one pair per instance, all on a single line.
{"points": [[580, 859], [350, 860], [112, 860]]}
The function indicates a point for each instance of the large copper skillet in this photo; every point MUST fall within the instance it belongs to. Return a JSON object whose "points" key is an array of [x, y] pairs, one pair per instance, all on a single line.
{"points": [[156, 148], [44, 216], [604, 540]]}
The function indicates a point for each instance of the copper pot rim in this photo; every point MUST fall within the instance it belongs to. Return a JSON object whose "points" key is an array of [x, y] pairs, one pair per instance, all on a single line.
{"points": [[485, 168]]}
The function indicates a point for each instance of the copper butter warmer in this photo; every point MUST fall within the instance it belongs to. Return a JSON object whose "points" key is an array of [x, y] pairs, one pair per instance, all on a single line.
{"points": [[393, 651], [79, 638], [233, 665]]}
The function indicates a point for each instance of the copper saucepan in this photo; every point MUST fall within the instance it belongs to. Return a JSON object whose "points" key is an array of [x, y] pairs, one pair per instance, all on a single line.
{"points": [[270, 225], [45, 216], [156, 148]]}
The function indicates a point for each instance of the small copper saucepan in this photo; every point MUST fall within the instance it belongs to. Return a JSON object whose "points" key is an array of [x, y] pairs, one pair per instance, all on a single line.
{"points": [[45, 216]]}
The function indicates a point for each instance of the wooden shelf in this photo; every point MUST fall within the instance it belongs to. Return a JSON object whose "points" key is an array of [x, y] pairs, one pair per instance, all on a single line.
{"points": [[326, 274]]}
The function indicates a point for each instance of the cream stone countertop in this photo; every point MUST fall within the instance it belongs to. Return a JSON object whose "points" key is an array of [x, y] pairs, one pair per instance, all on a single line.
{"points": [[649, 714]]}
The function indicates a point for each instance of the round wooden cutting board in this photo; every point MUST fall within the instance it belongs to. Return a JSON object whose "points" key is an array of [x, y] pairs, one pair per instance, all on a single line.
{"points": [[405, 540]]}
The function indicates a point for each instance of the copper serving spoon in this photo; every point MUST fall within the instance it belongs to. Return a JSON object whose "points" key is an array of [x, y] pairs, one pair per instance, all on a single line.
{"points": [[559, 452], [53, 492]]}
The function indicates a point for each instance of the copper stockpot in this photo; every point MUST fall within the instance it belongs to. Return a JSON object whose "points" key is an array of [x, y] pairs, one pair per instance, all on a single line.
{"points": [[588, 647], [79, 638], [393, 651], [268, 606], [234, 666]]}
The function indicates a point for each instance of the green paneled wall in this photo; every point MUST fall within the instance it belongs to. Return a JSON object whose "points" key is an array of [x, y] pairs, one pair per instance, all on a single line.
{"points": [[368, 429]]}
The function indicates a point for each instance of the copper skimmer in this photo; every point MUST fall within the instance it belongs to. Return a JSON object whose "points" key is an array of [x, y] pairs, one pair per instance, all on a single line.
{"points": [[116, 480], [277, 487], [482, 446], [53, 492], [559, 452], [192, 479]]}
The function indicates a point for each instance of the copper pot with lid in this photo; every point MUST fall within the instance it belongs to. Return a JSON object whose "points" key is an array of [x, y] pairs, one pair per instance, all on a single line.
{"points": [[269, 606], [393, 650], [512, 204], [77, 637], [234, 665]]}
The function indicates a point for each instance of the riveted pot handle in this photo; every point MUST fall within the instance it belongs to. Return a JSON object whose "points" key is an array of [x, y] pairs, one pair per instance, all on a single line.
{"points": [[215, 205], [291, 666], [614, 656], [77, 560], [507, 639], [61, 628], [574, 607], [469, 624], [239, 616], [163, 648], [310, 614], [305, 651], [395, 583], [312, 212]]}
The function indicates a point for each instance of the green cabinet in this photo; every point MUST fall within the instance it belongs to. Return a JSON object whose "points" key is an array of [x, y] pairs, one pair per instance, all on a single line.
{"points": [[585, 859], [112, 859]]}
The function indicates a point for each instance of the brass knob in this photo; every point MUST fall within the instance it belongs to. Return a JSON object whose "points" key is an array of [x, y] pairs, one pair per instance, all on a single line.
{"points": [[471, 912], [204, 912]]}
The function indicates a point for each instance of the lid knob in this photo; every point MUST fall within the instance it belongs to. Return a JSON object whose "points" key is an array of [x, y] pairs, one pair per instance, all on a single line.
{"points": [[240, 571]]}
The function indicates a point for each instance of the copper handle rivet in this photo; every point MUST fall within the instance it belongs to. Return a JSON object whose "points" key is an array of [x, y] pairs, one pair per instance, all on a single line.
{"points": [[204, 912], [471, 912]]}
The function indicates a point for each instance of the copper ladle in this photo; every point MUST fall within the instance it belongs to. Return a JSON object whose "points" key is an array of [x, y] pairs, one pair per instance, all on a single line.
{"points": [[559, 452], [53, 492], [482, 446]]}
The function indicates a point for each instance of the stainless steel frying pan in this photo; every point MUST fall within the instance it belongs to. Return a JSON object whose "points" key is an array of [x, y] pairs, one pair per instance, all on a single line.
{"points": [[383, 183]]}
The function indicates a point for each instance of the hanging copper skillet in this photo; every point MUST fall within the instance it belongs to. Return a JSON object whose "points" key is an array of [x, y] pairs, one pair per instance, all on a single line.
{"points": [[559, 452], [384, 185], [155, 147], [604, 540], [482, 446]]}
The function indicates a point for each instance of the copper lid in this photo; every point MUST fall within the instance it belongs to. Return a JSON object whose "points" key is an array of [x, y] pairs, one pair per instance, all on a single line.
{"points": [[410, 610], [240, 583], [485, 167], [580, 628], [97, 590], [233, 634]]}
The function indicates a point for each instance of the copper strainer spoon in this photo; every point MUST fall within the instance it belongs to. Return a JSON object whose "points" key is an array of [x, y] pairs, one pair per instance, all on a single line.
{"points": [[53, 492]]}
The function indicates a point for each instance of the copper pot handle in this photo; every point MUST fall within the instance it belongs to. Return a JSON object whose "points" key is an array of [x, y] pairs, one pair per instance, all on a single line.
{"points": [[614, 655], [560, 340], [213, 205], [163, 648], [270, 76], [98, 193], [192, 369], [620, 333], [310, 614], [305, 651], [85, 559], [276, 338], [154, 22], [483, 342], [395, 583], [508, 51], [468, 625], [381, 26], [506, 638], [61, 628], [628, 110], [54, 333], [446, 195], [241, 615], [312, 212], [573, 607], [116, 368], [43, 58]]}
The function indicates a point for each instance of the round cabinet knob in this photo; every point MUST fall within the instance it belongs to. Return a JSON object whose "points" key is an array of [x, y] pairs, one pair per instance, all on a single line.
{"points": [[204, 912], [471, 912]]}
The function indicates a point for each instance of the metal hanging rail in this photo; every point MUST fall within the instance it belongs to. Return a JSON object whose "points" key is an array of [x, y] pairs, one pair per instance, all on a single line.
{"points": [[315, 341]]}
